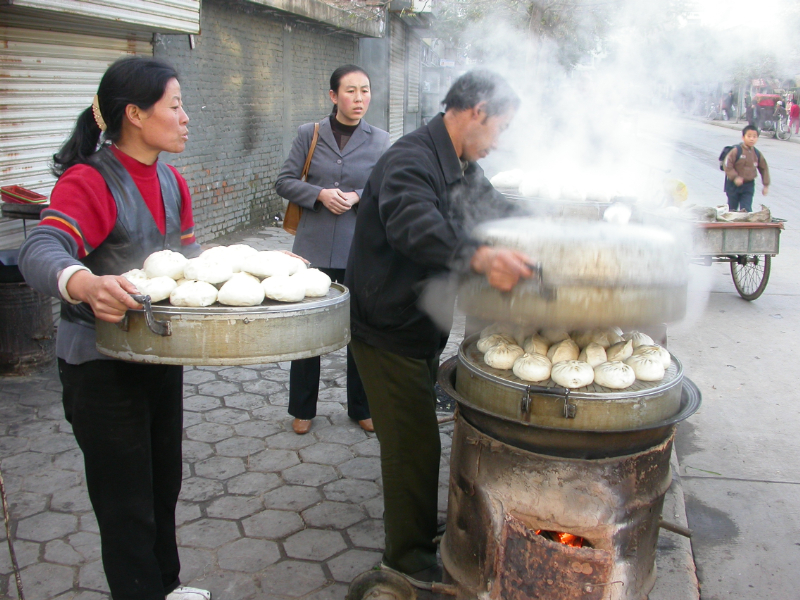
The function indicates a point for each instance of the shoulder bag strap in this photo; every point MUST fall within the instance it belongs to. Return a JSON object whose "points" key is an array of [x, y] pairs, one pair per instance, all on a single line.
{"points": [[304, 174]]}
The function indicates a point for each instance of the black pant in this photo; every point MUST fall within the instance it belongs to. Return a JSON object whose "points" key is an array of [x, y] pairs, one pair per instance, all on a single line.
{"points": [[128, 421], [740, 196], [304, 381], [403, 403]]}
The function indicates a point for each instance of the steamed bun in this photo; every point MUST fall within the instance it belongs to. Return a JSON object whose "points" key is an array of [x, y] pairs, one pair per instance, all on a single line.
{"points": [[502, 356], [316, 282], [158, 288], [165, 263], [572, 374], [214, 269], [241, 290], [193, 293], [284, 288]]}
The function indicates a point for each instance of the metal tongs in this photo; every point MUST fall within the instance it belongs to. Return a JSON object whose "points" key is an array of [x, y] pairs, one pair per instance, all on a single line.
{"points": [[162, 328]]}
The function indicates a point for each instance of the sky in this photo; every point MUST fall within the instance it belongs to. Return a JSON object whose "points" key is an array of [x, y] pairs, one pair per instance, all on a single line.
{"points": [[724, 14]]}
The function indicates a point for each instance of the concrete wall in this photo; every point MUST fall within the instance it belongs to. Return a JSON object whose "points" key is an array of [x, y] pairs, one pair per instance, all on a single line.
{"points": [[252, 78], [374, 56]]}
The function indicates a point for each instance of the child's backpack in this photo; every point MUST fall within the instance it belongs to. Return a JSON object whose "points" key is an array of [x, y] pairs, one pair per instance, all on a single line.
{"points": [[724, 154]]}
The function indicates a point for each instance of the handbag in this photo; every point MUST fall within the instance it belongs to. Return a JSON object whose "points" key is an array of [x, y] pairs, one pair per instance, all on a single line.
{"points": [[291, 219]]}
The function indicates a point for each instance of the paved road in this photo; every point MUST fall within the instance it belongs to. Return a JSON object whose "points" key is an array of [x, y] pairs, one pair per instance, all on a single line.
{"points": [[740, 456]]}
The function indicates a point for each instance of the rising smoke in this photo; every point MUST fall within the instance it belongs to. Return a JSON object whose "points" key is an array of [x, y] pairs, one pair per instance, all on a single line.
{"points": [[586, 125], [592, 113]]}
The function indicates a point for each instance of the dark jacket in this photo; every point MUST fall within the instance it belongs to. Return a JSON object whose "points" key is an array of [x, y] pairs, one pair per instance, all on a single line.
{"points": [[323, 237], [412, 230]]}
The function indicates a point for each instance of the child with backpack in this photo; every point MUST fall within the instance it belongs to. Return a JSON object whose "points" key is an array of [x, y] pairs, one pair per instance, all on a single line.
{"points": [[742, 164]]}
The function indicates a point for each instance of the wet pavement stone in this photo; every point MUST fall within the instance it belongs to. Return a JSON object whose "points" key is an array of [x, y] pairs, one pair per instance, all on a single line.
{"points": [[264, 514]]}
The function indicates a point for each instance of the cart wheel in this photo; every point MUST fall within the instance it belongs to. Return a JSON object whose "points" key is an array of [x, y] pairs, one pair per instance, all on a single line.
{"points": [[750, 274]]}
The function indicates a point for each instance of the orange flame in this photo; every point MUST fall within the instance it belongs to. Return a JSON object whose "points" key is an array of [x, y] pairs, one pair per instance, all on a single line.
{"points": [[565, 538]]}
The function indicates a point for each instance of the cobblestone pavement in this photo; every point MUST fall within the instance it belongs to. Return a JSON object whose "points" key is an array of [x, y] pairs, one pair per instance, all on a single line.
{"points": [[263, 514]]}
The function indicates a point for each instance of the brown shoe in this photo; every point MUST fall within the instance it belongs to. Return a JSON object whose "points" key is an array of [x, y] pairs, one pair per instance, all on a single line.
{"points": [[301, 426], [366, 425]]}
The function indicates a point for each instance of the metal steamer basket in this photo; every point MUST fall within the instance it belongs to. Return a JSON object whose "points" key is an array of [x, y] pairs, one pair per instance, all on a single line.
{"points": [[587, 274], [547, 404], [222, 335], [562, 438]]}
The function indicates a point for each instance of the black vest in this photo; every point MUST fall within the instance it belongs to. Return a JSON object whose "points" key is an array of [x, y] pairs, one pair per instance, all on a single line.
{"points": [[135, 235]]}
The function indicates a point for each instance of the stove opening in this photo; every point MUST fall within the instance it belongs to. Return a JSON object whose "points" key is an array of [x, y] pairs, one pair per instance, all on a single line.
{"points": [[563, 538]]}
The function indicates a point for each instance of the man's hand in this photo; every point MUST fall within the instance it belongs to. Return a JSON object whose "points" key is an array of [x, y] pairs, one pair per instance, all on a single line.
{"points": [[108, 295], [765, 191], [503, 267], [334, 200], [738, 181]]}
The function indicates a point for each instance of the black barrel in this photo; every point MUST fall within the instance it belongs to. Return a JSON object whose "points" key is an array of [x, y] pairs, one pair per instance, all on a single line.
{"points": [[27, 331]]}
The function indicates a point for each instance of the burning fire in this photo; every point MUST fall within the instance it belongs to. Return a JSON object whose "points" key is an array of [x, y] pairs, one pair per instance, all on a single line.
{"points": [[560, 536]]}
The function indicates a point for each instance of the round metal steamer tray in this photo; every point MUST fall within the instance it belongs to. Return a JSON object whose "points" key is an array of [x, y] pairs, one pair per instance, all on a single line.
{"points": [[547, 404], [573, 307], [589, 443], [589, 274], [224, 335]]}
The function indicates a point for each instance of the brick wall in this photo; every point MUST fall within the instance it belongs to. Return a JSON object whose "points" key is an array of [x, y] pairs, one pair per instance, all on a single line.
{"points": [[252, 78]]}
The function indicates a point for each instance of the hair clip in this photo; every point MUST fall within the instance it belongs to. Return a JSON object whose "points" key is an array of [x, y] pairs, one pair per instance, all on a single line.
{"points": [[98, 118]]}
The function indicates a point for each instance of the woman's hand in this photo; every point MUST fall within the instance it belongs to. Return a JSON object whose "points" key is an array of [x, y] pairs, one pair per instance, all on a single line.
{"points": [[738, 181], [108, 295], [293, 255], [503, 267], [351, 197], [765, 191], [334, 200]]}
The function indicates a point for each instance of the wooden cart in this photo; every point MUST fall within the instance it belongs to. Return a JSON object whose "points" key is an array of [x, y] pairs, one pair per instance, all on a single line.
{"points": [[748, 247]]}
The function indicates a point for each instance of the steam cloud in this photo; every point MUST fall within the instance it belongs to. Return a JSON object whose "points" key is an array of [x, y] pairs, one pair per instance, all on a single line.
{"points": [[592, 128]]}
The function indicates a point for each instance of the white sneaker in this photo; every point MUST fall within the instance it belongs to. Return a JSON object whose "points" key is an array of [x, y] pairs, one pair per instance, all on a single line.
{"points": [[188, 593]]}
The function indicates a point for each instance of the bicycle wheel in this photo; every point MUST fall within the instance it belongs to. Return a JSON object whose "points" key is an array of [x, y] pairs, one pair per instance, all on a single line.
{"points": [[750, 273]]}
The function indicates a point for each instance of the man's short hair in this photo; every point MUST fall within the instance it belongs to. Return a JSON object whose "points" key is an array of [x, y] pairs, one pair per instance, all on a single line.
{"points": [[749, 128], [481, 85]]}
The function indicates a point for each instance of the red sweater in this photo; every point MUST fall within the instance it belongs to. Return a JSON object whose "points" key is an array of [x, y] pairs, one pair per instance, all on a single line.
{"points": [[82, 205]]}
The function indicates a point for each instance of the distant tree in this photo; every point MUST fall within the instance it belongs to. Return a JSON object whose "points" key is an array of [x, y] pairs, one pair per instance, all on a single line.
{"points": [[577, 28]]}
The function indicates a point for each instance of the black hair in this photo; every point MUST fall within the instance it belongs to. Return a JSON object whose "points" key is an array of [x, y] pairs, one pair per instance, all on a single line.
{"points": [[129, 80], [481, 85], [338, 74], [749, 128]]}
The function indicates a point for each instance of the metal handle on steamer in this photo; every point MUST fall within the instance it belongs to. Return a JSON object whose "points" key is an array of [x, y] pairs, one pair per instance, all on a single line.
{"points": [[162, 328], [537, 281], [570, 410]]}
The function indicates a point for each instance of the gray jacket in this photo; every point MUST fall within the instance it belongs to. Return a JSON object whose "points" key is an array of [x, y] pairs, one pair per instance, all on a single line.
{"points": [[322, 237]]}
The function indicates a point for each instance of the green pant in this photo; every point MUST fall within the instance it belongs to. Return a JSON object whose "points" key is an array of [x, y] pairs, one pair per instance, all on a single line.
{"points": [[402, 403]]}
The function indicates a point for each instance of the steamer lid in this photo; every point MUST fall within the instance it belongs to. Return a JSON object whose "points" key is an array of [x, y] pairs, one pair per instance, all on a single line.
{"points": [[599, 254]]}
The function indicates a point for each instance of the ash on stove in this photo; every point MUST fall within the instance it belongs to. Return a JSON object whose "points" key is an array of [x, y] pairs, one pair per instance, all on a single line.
{"points": [[444, 403]]}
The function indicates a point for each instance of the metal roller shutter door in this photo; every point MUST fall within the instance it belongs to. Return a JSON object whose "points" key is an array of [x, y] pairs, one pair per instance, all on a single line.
{"points": [[46, 79], [414, 69], [397, 79]]}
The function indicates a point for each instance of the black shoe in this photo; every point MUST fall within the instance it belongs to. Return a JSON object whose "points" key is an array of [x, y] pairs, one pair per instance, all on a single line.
{"points": [[423, 579]]}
